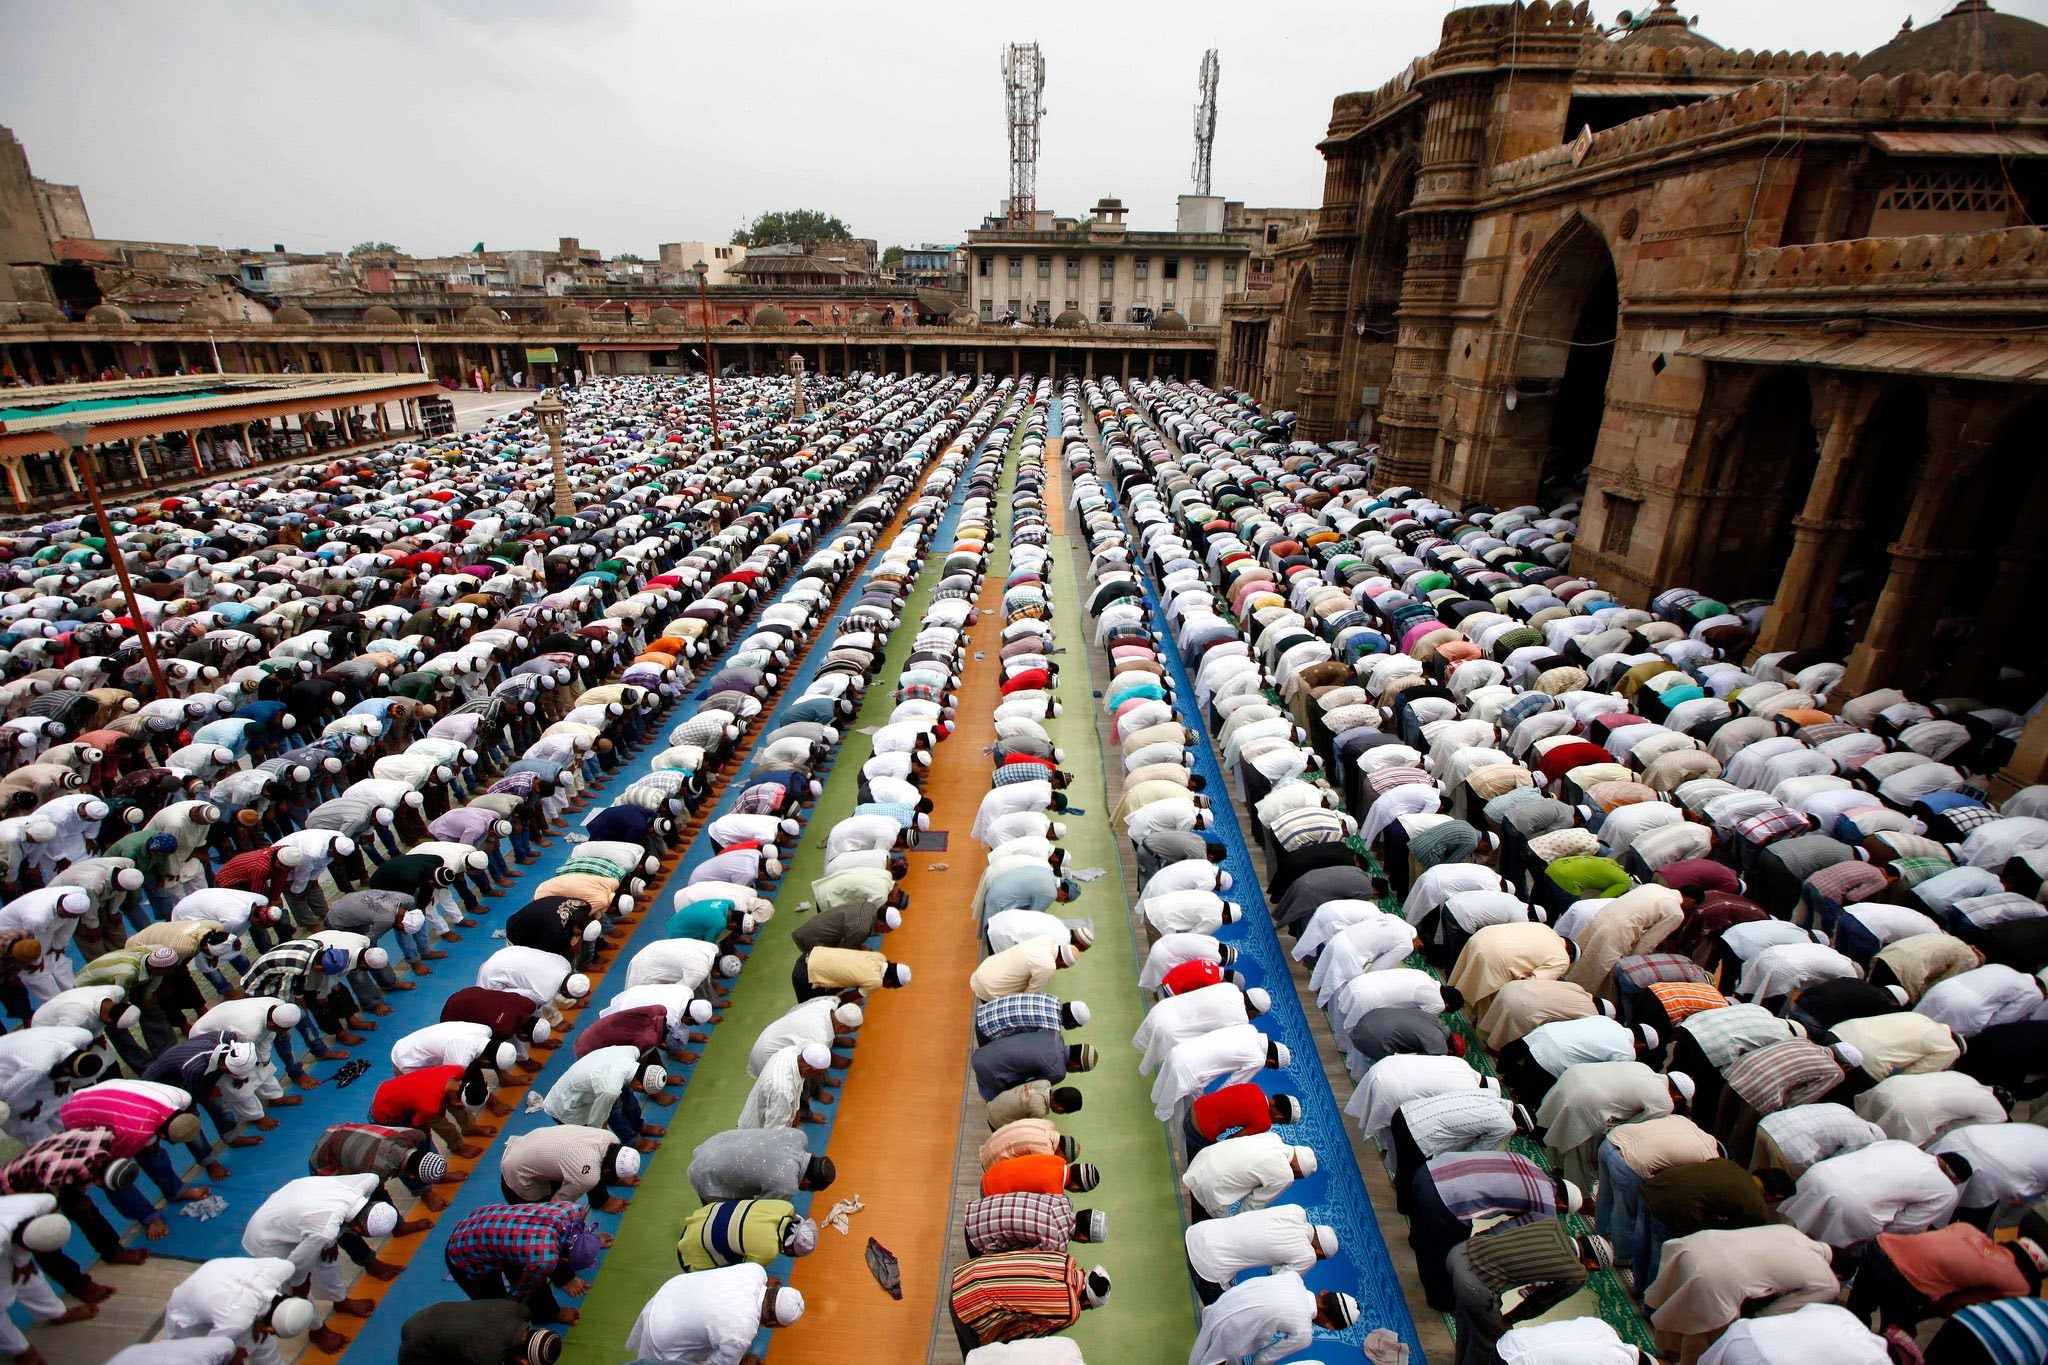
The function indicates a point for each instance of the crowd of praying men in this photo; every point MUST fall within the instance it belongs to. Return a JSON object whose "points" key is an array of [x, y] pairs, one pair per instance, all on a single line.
{"points": [[1748, 978], [387, 683]]}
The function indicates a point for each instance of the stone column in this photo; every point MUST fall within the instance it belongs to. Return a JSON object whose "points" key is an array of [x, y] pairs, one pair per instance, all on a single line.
{"points": [[1924, 555], [1798, 618]]}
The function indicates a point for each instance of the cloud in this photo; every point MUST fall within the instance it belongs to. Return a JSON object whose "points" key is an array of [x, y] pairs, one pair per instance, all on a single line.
{"points": [[631, 122]]}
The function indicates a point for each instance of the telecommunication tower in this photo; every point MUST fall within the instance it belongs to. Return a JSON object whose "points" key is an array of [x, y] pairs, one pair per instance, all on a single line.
{"points": [[1205, 122], [1024, 86]]}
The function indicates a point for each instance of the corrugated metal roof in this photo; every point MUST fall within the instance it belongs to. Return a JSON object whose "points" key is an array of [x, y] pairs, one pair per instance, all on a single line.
{"points": [[1959, 144], [1950, 356], [249, 389]]}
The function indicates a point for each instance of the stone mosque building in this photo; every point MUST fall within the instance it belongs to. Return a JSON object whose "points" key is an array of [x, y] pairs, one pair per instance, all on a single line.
{"points": [[1780, 319]]}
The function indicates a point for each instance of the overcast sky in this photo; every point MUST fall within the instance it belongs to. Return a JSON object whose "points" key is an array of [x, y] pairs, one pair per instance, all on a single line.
{"points": [[433, 123]]}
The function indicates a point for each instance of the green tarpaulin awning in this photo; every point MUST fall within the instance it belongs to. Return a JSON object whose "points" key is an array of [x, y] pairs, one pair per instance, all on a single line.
{"points": [[540, 355]]}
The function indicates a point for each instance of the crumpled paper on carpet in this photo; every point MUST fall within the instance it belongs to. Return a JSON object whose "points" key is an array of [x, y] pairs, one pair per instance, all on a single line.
{"points": [[1383, 1347], [207, 1209], [835, 1218], [534, 1101]]}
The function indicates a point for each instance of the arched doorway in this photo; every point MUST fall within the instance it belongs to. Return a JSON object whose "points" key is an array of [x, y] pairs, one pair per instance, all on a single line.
{"points": [[1372, 323], [1765, 472], [1554, 396]]}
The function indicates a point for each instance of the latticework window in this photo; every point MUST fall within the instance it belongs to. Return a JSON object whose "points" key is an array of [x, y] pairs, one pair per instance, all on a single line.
{"points": [[1945, 192]]}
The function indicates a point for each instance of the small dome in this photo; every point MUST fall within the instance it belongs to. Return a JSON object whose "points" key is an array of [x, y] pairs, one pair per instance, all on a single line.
{"points": [[107, 315], [382, 315], [479, 316], [570, 315], [867, 317], [1169, 320], [38, 311], [666, 316], [292, 315], [204, 310], [1071, 317], [1663, 27], [768, 315], [1970, 37]]}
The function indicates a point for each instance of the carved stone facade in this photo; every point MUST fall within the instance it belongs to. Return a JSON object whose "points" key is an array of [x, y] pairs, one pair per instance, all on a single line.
{"points": [[1776, 318]]}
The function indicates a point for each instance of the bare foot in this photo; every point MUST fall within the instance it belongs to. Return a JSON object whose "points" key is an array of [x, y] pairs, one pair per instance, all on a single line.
{"points": [[293, 1101], [95, 1292], [468, 1149], [76, 1313], [568, 1317], [434, 954], [403, 986], [156, 1229], [267, 1123], [136, 1255], [354, 1308], [653, 1130], [409, 1228], [244, 1140], [328, 1340], [453, 1178], [353, 1039], [612, 1205], [380, 1010], [217, 1170], [646, 1146], [436, 1202]]}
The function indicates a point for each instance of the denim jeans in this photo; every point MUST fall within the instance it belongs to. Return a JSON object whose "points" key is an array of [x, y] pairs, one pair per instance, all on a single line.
{"points": [[1614, 1209], [625, 1117], [413, 946]]}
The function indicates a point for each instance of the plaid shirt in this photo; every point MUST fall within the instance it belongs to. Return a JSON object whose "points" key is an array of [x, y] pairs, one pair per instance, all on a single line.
{"points": [[1020, 1222], [282, 971], [73, 1158], [1913, 871], [1781, 823], [1647, 969], [1847, 883], [1031, 1012], [1963, 819], [524, 1242], [763, 798], [1810, 1133], [1684, 999], [1477, 1185], [1981, 912], [1782, 1075], [1009, 774]]}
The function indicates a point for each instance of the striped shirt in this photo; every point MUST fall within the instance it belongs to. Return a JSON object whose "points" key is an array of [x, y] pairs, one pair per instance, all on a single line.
{"points": [[1781, 1075], [1476, 1185], [1684, 999], [735, 1230], [1810, 1133], [1013, 1295], [1458, 1121], [1020, 1222], [2011, 1331], [365, 1149], [1540, 1253], [1647, 969], [1030, 1012]]}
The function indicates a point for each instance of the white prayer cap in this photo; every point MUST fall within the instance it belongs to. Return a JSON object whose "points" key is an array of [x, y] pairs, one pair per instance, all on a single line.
{"points": [[848, 1015], [815, 1057]]}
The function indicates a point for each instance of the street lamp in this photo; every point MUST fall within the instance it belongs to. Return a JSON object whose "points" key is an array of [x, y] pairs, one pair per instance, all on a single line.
{"points": [[710, 361], [72, 437], [553, 419]]}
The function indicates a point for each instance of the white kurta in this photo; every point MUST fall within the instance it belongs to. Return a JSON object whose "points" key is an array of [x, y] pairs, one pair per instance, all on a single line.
{"points": [[778, 1092], [302, 1219], [224, 1297], [1266, 1319], [1237, 1053], [706, 1318], [810, 1022], [591, 1086], [670, 961], [1180, 1017], [1885, 1187]]}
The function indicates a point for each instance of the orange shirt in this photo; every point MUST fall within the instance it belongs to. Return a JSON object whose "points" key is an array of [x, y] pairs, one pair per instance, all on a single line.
{"points": [[1957, 1260], [1038, 1173]]}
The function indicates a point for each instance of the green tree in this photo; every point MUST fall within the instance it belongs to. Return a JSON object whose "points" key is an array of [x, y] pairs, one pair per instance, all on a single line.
{"points": [[374, 249], [791, 225], [891, 256], [629, 256]]}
